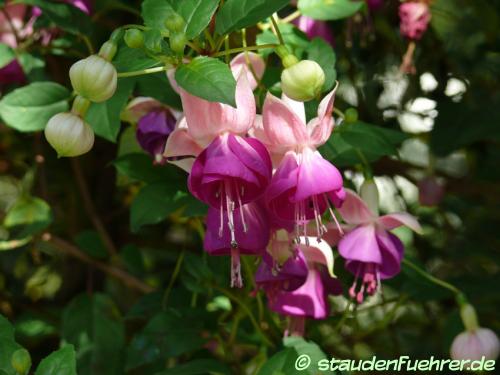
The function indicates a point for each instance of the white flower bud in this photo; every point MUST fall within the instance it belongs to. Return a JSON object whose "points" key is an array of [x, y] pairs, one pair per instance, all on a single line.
{"points": [[69, 135], [475, 344], [302, 81], [94, 78]]}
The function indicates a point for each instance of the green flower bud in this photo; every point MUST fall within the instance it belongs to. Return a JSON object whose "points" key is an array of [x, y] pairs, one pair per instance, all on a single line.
{"points": [[175, 22], [69, 135], [351, 115], [302, 81], [94, 78], [469, 317], [178, 42], [21, 361], [134, 38]]}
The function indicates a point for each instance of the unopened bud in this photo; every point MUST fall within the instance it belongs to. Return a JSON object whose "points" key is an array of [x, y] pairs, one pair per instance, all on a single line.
{"points": [[178, 42], [302, 81], [351, 115], [469, 317], [21, 361], [175, 22], [134, 38], [94, 78], [69, 135]]}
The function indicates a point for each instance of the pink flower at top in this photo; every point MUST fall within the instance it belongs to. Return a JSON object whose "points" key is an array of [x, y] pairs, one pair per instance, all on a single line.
{"points": [[315, 28], [304, 184], [414, 19], [371, 252]]}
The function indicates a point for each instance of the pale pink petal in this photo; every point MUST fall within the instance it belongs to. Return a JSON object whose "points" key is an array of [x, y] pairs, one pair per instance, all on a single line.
{"points": [[181, 148], [397, 219], [320, 128], [318, 252], [296, 107], [257, 131], [172, 81], [334, 235], [284, 129], [354, 210], [244, 61]]}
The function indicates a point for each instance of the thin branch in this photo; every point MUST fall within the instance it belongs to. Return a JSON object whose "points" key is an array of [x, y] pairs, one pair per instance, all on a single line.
{"points": [[90, 208], [115, 272]]}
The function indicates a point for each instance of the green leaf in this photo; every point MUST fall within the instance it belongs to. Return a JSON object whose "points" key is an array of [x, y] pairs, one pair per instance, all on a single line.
{"points": [[322, 52], [237, 14], [329, 9], [90, 242], [33, 212], [196, 13], [295, 39], [61, 362], [154, 13], [167, 335], [349, 143], [198, 367], [132, 59], [153, 204], [65, 16], [105, 117], [140, 167], [157, 86], [94, 326], [208, 78], [29, 108], [309, 348], [281, 363], [6, 55], [8, 346]]}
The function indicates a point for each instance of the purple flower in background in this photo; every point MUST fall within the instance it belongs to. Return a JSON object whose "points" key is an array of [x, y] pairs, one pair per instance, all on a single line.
{"points": [[84, 5], [315, 28], [248, 228], [371, 252], [153, 130], [430, 191], [374, 5], [414, 19], [12, 73]]}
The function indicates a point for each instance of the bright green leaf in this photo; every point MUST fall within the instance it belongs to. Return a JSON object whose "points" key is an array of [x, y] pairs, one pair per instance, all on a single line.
{"points": [[196, 13], [154, 13], [208, 78], [282, 362], [329, 9], [29, 108], [29, 211], [6, 55], [237, 14]]}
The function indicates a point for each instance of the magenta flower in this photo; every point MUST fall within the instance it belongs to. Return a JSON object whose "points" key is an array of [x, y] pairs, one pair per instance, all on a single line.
{"points": [[414, 19], [153, 130], [315, 28], [304, 184], [249, 229], [84, 5], [371, 252], [290, 293], [12, 73]]}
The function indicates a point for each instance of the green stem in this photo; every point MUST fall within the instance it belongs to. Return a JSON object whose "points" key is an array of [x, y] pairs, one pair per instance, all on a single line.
{"points": [[277, 31], [245, 308], [433, 279], [344, 316], [194, 47], [143, 72], [211, 41], [291, 17], [88, 44], [339, 112], [177, 269], [243, 49]]}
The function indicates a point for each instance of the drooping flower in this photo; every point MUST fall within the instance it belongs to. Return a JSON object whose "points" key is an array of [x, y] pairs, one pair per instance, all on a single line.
{"points": [[476, 342], [315, 28], [304, 184], [299, 296], [414, 19], [371, 252], [247, 233]]}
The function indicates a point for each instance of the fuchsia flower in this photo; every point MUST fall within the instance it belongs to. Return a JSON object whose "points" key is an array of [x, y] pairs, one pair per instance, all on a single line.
{"points": [[414, 19], [473, 345], [304, 184], [315, 28], [300, 287], [12, 73], [230, 169], [371, 252]]}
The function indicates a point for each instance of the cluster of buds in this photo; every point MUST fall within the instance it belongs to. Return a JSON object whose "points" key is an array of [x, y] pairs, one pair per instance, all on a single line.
{"points": [[94, 79]]}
